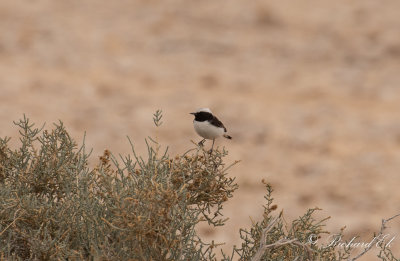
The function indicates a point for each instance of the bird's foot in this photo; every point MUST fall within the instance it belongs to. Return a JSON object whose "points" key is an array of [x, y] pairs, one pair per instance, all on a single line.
{"points": [[201, 143]]}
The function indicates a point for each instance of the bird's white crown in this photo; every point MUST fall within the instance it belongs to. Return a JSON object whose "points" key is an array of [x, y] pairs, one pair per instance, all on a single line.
{"points": [[204, 109]]}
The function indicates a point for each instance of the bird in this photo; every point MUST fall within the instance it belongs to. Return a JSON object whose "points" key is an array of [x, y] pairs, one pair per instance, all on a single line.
{"points": [[208, 126]]}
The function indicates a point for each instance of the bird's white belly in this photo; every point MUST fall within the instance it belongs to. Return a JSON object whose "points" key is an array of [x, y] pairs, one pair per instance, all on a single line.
{"points": [[207, 130]]}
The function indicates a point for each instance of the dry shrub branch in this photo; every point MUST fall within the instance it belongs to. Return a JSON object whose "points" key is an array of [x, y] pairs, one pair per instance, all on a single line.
{"points": [[53, 206]]}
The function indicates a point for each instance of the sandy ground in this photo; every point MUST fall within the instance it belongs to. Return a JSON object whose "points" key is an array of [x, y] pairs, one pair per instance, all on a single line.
{"points": [[308, 89]]}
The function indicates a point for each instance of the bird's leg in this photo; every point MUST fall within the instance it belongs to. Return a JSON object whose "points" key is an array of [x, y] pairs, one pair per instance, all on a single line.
{"points": [[201, 143], [212, 147]]}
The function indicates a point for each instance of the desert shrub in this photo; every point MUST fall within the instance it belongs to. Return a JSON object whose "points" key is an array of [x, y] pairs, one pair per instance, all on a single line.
{"points": [[274, 239], [54, 206]]}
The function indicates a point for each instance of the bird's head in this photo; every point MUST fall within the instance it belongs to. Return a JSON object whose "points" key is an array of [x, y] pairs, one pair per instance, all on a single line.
{"points": [[202, 110]]}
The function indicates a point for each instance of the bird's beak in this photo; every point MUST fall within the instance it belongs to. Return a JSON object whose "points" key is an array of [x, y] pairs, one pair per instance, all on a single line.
{"points": [[193, 113]]}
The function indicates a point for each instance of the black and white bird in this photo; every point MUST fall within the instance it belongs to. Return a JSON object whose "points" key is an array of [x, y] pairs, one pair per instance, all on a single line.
{"points": [[208, 126]]}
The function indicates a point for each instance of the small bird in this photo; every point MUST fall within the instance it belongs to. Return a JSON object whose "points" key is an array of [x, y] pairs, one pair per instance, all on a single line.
{"points": [[208, 126]]}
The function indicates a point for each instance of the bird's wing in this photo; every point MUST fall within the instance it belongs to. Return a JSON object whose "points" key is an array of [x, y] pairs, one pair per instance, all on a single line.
{"points": [[214, 121]]}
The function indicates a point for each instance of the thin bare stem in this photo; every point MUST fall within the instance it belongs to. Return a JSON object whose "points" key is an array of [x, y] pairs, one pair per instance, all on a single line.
{"points": [[383, 227]]}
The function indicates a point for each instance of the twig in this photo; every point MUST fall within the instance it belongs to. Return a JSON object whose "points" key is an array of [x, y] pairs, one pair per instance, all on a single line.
{"points": [[306, 247], [13, 222], [263, 247], [281, 242], [257, 256], [383, 227]]}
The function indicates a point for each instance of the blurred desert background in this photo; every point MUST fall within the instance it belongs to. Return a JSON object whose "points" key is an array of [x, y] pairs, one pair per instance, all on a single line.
{"points": [[308, 89]]}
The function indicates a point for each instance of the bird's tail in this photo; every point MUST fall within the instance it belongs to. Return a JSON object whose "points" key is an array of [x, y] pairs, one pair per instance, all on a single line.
{"points": [[227, 136]]}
